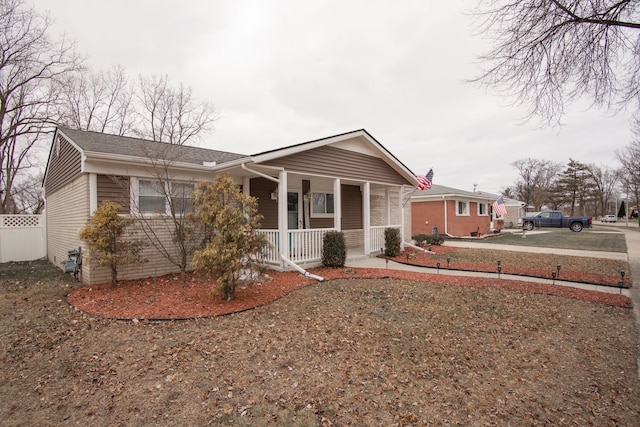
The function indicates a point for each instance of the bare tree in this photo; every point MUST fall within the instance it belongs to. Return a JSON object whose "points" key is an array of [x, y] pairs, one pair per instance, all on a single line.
{"points": [[171, 114], [535, 180], [605, 181], [100, 101], [550, 52], [30, 63], [629, 158], [166, 214], [27, 194]]}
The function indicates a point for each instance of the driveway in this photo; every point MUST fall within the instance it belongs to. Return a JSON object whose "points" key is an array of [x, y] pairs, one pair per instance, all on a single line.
{"points": [[632, 235]]}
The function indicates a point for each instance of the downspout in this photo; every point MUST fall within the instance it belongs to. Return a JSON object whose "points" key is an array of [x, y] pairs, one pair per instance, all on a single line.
{"points": [[301, 270], [446, 222], [418, 248]]}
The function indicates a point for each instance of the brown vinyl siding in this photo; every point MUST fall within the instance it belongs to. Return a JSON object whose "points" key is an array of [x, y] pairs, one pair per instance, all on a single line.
{"points": [[115, 189], [341, 163], [65, 163], [261, 189], [351, 207]]}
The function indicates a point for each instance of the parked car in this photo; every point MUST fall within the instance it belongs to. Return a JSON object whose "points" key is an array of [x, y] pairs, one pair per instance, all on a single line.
{"points": [[609, 218], [554, 219]]}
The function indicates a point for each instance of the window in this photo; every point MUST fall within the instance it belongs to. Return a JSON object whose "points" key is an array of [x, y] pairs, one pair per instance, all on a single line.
{"points": [[462, 208], [182, 197], [482, 209], [322, 204], [152, 197]]}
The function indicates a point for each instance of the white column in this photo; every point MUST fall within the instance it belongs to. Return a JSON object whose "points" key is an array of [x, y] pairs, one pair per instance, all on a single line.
{"points": [[387, 198], [337, 205], [246, 185], [93, 193], [366, 213], [446, 220], [401, 207], [283, 225]]}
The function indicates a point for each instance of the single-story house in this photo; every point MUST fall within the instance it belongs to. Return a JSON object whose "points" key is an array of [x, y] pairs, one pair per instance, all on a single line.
{"points": [[454, 212], [515, 210], [347, 182]]}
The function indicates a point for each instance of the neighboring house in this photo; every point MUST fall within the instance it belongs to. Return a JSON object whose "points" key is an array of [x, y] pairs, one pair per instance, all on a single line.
{"points": [[347, 182], [454, 212], [515, 210]]}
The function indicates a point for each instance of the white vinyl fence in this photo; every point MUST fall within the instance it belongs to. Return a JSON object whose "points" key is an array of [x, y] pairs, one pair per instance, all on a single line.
{"points": [[22, 237]]}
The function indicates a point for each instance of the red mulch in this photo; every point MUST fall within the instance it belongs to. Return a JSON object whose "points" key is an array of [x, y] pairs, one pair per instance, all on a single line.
{"points": [[170, 300]]}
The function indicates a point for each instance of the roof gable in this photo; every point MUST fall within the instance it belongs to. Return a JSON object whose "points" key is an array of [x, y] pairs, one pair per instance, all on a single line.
{"points": [[359, 141]]}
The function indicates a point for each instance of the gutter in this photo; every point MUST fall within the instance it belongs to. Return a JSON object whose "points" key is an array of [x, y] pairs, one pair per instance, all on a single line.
{"points": [[245, 168]]}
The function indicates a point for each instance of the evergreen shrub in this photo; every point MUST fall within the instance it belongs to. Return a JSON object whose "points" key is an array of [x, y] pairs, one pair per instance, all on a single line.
{"points": [[428, 239], [334, 249], [392, 243]]}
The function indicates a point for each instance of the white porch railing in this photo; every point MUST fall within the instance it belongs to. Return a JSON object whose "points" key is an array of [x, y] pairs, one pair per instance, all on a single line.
{"points": [[304, 245], [271, 255], [376, 236]]}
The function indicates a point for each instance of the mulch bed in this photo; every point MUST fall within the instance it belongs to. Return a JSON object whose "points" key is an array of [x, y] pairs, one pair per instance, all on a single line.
{"points": [[167, 298]]}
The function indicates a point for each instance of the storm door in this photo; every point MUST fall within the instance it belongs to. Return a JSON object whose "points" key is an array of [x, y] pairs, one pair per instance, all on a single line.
{"points": [[294, 217]]}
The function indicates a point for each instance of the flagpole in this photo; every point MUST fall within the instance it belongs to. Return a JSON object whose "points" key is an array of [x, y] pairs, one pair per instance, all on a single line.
{"points": [[410, 194]]}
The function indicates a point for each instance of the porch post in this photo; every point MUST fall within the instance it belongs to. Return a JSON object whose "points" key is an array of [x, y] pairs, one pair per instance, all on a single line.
{"points": [[337, 205], [283, 225], [387, 198], [366, 213], [246, 185], [401, 207], [93, 193]]}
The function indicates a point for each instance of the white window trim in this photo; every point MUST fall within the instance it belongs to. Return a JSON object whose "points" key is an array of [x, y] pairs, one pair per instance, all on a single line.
{"points": [[486, 209], [321, 215], [466, 210], [135, 196]]}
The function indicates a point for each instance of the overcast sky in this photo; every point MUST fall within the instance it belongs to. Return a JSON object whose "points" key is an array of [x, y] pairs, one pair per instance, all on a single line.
{"points": [[288, 71]]}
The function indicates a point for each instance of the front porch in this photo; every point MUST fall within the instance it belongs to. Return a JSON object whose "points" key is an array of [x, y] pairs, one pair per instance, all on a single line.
{"points": [[304, 246]]}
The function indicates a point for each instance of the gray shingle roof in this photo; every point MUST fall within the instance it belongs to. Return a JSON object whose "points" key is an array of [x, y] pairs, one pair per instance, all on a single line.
{"points": [[121, 145], [441, 190]]}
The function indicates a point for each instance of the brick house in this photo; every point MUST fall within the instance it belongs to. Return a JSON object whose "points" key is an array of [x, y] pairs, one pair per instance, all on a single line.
{"points": [[451, 211]]}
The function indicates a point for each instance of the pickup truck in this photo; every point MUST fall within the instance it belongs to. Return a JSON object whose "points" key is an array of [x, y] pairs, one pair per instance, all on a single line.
{"points": [[555, 219]]}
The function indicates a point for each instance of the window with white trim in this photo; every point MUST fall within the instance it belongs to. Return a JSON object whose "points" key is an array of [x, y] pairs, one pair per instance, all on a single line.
{"points": [[462, 208], [483, 209], [153, 197], [182, 197], [322, 205]]}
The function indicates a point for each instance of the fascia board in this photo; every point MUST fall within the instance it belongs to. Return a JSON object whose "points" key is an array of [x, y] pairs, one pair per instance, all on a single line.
{"points": [[137, 161]]}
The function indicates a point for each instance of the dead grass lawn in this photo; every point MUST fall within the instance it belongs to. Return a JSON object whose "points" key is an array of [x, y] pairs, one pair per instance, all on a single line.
{"points": [[346, 352]]}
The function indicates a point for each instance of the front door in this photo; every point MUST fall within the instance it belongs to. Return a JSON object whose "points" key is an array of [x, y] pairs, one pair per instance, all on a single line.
{"points": [[293, 210]]}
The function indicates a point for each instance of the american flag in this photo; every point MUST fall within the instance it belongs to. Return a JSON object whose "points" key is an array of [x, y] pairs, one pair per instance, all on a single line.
{"points": [[424, 182], [499, 208]]}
